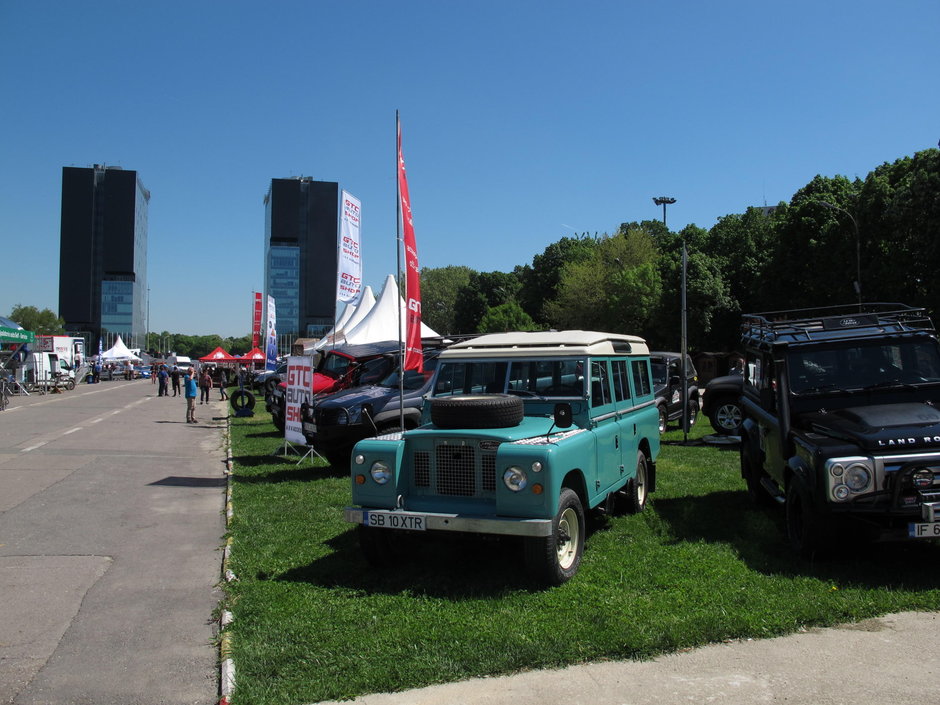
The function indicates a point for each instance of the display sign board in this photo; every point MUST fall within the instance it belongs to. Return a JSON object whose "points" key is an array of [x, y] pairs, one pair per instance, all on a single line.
{"points": [[299, 391]]}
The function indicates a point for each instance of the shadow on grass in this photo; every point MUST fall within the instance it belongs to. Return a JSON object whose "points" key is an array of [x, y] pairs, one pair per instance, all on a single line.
{"points": [[450, 567], [759, 538]]}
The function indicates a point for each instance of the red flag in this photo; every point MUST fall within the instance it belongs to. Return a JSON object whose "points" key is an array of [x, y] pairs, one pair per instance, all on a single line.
{"points": [[414, 359]]}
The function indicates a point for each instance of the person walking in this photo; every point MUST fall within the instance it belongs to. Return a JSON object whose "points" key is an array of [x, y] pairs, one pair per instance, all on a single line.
{"points": [[205, 384], [162, 377], [175, 379], [222, 394], [190, 392]]}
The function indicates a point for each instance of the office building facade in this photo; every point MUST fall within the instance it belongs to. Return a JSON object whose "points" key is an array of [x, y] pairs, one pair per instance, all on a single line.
{"points": [[300, 262], [103, 253]]}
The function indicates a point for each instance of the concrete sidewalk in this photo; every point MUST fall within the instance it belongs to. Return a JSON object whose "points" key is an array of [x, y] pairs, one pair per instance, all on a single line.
{"points": [[883, 661]]}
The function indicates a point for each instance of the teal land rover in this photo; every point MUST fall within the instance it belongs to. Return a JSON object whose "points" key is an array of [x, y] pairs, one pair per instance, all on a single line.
{"points": [[524, 433]]}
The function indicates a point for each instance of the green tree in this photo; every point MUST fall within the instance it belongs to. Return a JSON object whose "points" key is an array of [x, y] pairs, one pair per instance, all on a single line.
{"points": [[540, 281], [614, 289], [483, 291], [439, 289], [43, 322], [506, 317]]}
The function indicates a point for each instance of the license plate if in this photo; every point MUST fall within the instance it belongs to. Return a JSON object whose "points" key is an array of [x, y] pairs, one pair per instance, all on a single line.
{"points": [[393, 520], [309, 427], [924, 531]]}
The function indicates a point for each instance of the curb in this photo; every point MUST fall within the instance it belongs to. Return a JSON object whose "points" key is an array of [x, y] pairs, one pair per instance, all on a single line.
{"points": [[226, 663]]}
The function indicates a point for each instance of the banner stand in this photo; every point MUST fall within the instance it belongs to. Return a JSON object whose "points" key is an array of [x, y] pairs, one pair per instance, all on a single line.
{"points": [[289, 448]]}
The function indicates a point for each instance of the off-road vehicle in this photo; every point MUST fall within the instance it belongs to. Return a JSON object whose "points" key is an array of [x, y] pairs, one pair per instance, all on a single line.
{"points": [[840, 422], [667, 385], [721, 403], [525, 433]]}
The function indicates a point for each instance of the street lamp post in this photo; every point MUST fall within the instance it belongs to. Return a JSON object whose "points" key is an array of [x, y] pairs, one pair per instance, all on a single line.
{"points": [[858, 248], [684, 342]]}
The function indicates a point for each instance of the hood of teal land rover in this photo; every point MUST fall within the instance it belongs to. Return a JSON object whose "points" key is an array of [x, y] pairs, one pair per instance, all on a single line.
{"points": [[529, 427]]}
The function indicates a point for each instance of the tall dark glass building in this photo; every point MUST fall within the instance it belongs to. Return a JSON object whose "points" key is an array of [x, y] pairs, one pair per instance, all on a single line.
{"points": [[301, 218], [103, 253]]}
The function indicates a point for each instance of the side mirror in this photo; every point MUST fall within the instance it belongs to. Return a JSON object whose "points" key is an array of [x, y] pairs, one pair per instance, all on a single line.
{"points": [[562, 415]]}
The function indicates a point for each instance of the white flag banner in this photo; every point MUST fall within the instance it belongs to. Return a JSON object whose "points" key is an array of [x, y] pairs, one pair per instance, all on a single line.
{"points": [[271, 336], [349, 283], [299, 391]]}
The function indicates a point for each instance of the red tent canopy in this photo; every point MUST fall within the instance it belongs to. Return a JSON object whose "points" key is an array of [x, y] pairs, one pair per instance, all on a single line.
{"points": [[253, 355], [218, 355]]}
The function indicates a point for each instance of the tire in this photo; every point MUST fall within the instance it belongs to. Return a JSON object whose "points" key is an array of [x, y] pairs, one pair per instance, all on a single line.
{"points": [[726, 417], [242, 399], [70, 384], [693, 412], [805, 532], [278, 422], [477, 411], [663, 419], [269, 386], [752, 474], [340, 459], [637, 494], [554, 559]]}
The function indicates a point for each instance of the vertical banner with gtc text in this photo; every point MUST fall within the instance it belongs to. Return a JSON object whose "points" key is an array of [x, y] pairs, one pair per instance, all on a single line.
{"points": [[414, 359], [270, 341], [256, 317], [349, 283], [299, 391]]}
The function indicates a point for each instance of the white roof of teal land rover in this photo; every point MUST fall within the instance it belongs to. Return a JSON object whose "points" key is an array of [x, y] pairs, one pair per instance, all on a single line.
{"points": [[547, 343]]}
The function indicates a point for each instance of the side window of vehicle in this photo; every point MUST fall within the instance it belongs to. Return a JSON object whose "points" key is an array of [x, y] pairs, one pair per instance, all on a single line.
{"points": [[621, 380], [641, 377], [600, 384]]}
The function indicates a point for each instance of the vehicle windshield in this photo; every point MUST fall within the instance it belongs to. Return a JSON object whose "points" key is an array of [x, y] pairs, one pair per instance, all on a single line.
{"points": [[413, 378], [863, 366], [528, 378], [334, 365]]}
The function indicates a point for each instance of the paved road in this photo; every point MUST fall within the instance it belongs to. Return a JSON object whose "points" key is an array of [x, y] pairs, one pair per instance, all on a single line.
{"points": [[111, 523]]}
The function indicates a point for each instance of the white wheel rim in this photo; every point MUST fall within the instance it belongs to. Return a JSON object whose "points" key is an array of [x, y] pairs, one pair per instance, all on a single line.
{"points": [[641, 483], [568, 536]]}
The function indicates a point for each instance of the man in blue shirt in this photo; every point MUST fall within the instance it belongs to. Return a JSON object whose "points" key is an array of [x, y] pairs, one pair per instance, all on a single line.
{"points": [[191, 388]]}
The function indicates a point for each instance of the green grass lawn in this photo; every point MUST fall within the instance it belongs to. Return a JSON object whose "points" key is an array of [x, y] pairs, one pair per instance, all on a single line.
{"points": [[314, 622]]}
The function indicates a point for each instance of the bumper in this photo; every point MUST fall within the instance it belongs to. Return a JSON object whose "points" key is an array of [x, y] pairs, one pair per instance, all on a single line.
{"points": [[456, 522]]}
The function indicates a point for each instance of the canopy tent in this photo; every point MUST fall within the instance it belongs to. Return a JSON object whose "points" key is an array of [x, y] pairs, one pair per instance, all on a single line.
{"points": [[13, 332], [385, 319], [253, 355], [352, 314], [218, 355], [118, 352]]}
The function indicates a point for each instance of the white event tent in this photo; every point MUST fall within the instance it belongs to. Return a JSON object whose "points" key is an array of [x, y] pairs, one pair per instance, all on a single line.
{"points": [[118, 352], [352, 314], [382, 320]]}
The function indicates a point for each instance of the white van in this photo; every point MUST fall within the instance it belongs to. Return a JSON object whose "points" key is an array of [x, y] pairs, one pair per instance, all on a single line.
{"points": [[43, 369]]}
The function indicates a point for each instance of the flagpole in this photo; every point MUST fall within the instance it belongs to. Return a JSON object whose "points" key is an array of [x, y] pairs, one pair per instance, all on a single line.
{"points": [[401, 347]]}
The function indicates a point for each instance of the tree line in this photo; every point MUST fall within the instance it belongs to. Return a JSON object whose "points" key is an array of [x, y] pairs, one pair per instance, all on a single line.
{"points": [[801, 253], [797, 254]]}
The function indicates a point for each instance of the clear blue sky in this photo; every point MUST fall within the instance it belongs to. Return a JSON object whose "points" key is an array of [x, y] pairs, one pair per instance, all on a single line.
{"points": [[523, 121]]}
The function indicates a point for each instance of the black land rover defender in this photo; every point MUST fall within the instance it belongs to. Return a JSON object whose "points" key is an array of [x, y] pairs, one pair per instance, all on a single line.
{"points": [[840, 421]]}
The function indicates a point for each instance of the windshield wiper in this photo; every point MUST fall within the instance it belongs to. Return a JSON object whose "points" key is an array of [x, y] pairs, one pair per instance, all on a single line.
{"points": [[818, 389]]}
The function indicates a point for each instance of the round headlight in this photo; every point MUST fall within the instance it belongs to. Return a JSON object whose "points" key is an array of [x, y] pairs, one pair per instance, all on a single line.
{"points": [[514, 478], [537, 466], [360, 459], [857, 477], [836, 470], [922, 478], [380, 472], [841, 492]]}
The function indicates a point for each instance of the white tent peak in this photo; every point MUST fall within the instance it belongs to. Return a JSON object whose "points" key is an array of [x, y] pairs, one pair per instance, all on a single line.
{"points": [[382, 321], [352, 314], [118, 351]]}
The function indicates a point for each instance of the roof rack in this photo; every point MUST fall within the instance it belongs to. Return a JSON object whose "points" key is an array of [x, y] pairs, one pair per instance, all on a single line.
{"points": [[833, 322]]}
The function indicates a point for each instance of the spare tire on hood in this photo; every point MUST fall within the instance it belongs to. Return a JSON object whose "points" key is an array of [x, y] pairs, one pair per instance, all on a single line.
{"points": [[477, 411]]}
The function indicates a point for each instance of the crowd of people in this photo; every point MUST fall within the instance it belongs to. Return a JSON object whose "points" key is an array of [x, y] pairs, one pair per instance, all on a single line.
{"points": [[186, 381]]}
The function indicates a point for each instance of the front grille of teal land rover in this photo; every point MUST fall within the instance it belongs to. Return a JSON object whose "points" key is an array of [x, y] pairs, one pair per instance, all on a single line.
{"points": [[456, 468]]}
